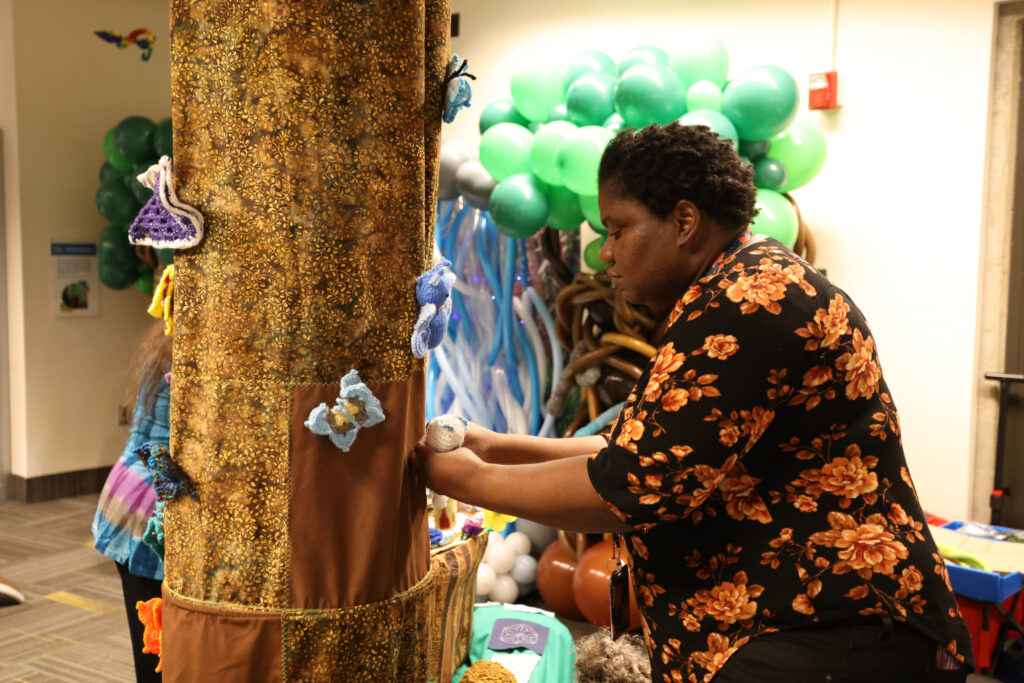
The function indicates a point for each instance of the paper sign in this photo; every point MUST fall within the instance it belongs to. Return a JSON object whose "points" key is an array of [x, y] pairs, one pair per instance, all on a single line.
{"points": [[512, 634], [76, 289]]}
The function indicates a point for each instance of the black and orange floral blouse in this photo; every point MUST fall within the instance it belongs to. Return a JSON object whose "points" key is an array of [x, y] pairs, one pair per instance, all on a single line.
{"points": [[759, 458]]}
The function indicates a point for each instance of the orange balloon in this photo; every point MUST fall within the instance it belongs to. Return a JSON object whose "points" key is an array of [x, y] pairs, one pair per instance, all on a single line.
{"points": [[554, 581], [591, 585]]}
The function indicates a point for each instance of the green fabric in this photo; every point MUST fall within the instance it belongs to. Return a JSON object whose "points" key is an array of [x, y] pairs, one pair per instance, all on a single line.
{"points": [[557, 665], [962, 557]]}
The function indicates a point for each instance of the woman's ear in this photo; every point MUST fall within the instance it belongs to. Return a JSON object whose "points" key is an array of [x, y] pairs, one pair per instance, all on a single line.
{"points": [[686, 216]]}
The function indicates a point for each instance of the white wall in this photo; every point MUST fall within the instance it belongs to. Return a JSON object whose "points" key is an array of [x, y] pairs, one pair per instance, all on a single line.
{"points": [[69, 88], [897, 208]]}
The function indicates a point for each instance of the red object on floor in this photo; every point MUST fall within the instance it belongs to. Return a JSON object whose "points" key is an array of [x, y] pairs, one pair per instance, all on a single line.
{"points": [[934, 520], [984, 640]]}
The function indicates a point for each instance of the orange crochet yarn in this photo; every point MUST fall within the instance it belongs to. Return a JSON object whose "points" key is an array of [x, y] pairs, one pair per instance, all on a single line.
{"points": [[151, 614]]}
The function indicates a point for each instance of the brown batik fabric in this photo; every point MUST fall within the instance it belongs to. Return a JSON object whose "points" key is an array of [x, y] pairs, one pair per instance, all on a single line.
{"points": [[759, 458], [454, 570], [307, 134]]}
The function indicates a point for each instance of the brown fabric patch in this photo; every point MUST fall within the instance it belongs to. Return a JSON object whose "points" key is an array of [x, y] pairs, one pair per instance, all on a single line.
{"points": [[358, 522], [202, 642]]}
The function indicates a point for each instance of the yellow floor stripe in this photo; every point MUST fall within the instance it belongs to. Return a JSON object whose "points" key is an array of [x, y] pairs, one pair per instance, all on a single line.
{"points": [[78, 601]]}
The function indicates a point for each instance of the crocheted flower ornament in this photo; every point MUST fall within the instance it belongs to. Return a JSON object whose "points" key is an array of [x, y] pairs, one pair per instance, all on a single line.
{"points": [[169, 480], [497, 521], [165, 221], [458, 93], [434, 294], [356, 408], [151, 614]]}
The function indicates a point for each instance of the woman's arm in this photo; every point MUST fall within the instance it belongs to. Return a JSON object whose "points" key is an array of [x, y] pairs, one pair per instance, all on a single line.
{"points": [[522, 449], [557, 492]]}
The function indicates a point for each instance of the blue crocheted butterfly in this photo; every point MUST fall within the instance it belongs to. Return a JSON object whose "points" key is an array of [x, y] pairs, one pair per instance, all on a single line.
{"points": [[356, 408], [169, 480], [458, 92], [434, 294]]}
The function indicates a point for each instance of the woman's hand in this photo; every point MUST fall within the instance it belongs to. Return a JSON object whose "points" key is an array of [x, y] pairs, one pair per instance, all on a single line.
{"points": [[480, 440], [451, 472]]}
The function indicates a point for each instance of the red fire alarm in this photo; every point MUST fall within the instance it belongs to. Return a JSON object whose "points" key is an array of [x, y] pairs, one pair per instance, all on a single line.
{"points": [[824, 90]]}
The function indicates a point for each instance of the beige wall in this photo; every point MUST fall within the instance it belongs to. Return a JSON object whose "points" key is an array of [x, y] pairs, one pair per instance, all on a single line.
{"points": [[69, 87], [898, 207]]}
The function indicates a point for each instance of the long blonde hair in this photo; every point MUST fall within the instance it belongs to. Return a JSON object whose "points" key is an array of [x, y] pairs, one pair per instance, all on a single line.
{"points": [[150, 362]]}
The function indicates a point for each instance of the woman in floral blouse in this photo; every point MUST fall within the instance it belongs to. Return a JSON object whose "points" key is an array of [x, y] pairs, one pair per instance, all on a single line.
{"points": [[756, 472]]}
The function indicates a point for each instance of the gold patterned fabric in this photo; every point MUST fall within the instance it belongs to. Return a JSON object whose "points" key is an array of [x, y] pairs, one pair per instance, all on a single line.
{"points": [[307, 135]]}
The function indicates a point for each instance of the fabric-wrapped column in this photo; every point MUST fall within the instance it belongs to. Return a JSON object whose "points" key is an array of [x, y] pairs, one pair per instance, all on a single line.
{"points": [[307, 134]]}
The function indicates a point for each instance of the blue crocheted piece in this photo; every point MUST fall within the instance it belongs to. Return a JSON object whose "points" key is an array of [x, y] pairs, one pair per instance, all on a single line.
{"points": [[435, 537], [169, 480], [458, 92], [153, 536], [434, 294], [356, 408]]}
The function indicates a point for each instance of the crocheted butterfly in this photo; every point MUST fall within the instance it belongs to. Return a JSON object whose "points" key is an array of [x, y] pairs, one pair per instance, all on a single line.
{"points": [[165, 221], [434, 294], [356, 408], [153, 536], [458, 92], [169, 480]]}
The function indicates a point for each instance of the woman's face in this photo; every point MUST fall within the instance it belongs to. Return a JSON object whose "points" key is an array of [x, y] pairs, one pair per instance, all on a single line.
{"points": [[643, 251]]}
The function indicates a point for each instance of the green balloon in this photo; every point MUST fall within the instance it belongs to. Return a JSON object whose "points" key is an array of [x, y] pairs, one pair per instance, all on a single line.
{"points": [[165, 256], [133, 138], [775, 218], [801, 149], [615, 123], [501, 111], [163, 138], [760, 102], [505, 150], [644, 54], [116, 202], [114, 158], [564, 212], [704, 95], [701, 58], [536, 89], [586, 62], [544, 150], [558, 113], [590, 100], [145, 282], [714, 120], [754, 149], [118, 263], [590, 254], [107, 172], [139, 191], [579, 157], [519, 205], [649, 93], [592, 212], [769, 174]]}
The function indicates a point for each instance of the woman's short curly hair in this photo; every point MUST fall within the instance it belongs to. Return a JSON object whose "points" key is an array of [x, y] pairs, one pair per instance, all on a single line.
{"points": [[661, 165]]}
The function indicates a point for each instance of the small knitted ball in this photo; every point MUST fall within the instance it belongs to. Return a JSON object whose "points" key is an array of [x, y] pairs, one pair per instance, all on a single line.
{"points": [[446, 432], [484, 671]]}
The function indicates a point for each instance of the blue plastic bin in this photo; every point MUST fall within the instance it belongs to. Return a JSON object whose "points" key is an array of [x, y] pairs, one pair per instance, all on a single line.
{"points": [[982, 585]]}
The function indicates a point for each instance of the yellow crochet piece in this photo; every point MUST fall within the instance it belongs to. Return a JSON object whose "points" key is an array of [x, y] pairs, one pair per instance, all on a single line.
{"points": [[162, 305], [496, 520]]}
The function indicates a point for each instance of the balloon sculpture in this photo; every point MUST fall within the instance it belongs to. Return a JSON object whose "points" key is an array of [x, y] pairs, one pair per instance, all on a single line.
{"points": [[130, 147], [509, 223]]}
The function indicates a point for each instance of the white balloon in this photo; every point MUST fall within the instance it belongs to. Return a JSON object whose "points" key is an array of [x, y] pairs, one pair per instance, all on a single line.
{"points": [[505, 589], [500, 557], [524, 571], [485, 578], [540, 535], [519, 541]]}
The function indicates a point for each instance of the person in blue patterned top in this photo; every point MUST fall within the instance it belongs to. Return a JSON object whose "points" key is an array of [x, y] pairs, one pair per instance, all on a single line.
{"points": [[129, 499]]}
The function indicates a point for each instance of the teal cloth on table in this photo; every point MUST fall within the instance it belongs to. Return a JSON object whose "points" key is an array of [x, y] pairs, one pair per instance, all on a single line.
{"points": [[556, 665]]}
